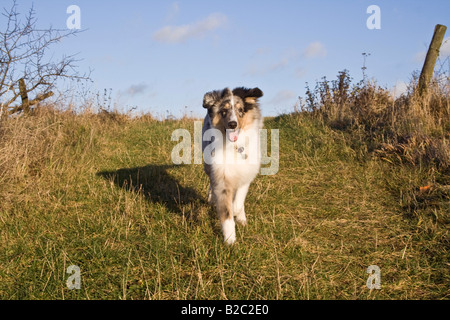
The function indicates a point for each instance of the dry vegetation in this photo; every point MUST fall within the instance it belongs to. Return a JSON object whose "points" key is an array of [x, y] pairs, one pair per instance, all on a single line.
{"points": [[411, 130], [363, 180]]}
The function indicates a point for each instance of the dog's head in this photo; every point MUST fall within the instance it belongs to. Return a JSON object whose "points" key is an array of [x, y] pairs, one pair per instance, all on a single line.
{"points": [[232, 111]]}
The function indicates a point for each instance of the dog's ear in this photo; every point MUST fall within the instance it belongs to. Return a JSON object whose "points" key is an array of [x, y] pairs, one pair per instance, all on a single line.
{"points": [[226, 92], [249, 96], [210, 99]]}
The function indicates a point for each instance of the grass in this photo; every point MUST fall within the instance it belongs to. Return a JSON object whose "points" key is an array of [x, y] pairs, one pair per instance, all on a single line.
{"points": [[100, 191]]}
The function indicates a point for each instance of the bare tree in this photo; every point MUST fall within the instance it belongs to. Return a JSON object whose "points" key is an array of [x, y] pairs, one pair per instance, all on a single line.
{"points": [[23, 55]]}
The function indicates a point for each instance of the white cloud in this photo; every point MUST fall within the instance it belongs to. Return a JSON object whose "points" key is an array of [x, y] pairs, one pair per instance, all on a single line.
{"points": [[300, 72], [283, 96], [173, 11], [315, 50], [445, 48], [400, 88], [136, 89], [178, 34], [262, 51], [278, 65], [420, 57], [263, 69], [444, 52], [260, 70]]}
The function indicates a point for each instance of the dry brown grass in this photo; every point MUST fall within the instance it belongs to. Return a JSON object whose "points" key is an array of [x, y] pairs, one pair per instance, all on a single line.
{"points": [[412, 128]]}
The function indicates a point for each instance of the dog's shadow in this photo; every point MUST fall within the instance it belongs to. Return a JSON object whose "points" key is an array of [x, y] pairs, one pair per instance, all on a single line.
{"points": [[158, 186]]}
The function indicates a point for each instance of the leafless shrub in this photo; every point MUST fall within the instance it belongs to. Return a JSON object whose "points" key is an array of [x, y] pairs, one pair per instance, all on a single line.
{"points": [[23, 55]]}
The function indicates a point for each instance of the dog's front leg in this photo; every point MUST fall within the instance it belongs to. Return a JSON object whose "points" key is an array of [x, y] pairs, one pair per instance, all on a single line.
{"points": [[224, 205], [239, 204], [210, 196]]}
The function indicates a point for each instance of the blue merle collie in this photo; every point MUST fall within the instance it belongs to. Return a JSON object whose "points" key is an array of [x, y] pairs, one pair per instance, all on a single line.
{"points": [[231, 151]]}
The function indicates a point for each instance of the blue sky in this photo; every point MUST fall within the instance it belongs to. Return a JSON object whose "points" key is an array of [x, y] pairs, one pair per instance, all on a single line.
{"points": [[162, 56]]}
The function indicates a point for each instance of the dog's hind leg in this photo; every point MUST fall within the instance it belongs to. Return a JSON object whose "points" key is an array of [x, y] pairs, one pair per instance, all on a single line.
{"points": [[239, 204], [210, 196]]}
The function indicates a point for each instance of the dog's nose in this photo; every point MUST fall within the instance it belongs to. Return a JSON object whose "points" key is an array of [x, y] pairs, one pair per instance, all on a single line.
{"points": [[232, 124]]}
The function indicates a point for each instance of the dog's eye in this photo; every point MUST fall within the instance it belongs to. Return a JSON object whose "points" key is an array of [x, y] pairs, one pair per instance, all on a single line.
{"points": [[223, 113], [241, 112]]}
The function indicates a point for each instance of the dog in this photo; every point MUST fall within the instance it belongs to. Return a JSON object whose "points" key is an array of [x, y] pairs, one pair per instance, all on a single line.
{"points": [[232, 156]]}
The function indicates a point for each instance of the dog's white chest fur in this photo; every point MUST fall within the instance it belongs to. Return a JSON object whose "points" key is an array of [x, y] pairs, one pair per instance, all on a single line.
{"points": [[239, 161]]}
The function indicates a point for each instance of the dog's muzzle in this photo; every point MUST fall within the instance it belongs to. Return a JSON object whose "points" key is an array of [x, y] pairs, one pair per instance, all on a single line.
{"points": [[232, 125]]}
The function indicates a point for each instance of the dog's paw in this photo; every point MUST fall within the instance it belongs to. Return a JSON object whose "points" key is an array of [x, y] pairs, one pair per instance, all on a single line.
{"points": [[230, 240], [229, 231], [241, 220]]}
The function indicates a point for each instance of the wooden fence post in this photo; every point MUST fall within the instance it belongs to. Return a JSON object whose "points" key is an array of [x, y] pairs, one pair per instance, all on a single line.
{"points": [[432, 55], [26, 104], [24, 95]]}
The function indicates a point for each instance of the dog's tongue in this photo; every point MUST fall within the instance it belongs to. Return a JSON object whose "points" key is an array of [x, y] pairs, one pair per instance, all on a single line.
{"points": [[233, 135]]}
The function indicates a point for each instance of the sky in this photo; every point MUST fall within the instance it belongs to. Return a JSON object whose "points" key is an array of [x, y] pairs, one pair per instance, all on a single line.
{"points": [[163, 56]]}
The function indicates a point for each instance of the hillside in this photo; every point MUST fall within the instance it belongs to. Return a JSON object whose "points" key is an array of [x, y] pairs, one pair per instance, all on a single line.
{"points": [[99, 190]]}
